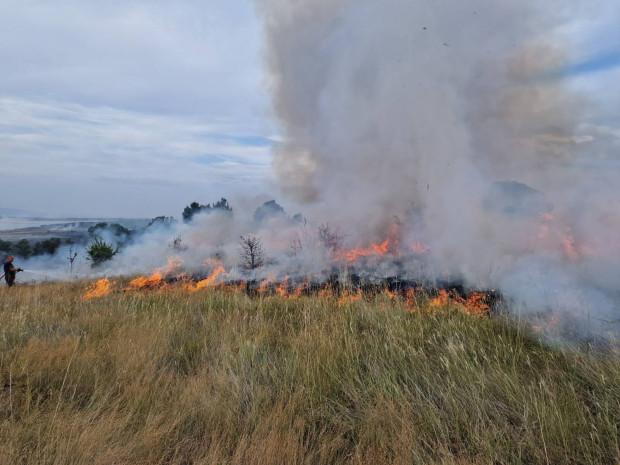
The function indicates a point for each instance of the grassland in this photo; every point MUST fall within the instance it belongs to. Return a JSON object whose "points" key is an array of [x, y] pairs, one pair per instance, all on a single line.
{"points": [[172, 377]]}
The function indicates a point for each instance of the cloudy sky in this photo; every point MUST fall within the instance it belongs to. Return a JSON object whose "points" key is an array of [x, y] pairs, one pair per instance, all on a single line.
{"points": [[130, 108], [136, 108]]}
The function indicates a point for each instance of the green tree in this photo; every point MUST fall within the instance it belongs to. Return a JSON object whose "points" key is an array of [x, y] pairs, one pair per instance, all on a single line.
{"points": [[195, 207], [114, 228], [100, 251], [48, 246], [22, 248]]}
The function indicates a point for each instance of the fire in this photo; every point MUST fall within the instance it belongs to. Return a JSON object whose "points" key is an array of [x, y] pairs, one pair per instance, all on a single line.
{"points": [[208, 281], [326, 293], [174, 263], [143, 282], [475, 304], [265, 286], [282, 290], [359, 252], [411, 301], [442, 300], [218, 270], [285, 290], [99, 289], [553, 322], [381, 249], [348, 297]]}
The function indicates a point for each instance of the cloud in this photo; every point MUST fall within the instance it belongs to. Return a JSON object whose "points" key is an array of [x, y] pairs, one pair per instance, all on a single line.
{"points": [[187, 56], [160, 100], [70, 143]]}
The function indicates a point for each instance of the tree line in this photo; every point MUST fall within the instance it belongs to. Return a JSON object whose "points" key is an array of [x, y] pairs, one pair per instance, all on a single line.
{"points": [[25, 249]]}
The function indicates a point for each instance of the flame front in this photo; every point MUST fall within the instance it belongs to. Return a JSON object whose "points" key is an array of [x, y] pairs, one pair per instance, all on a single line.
{"points": [[475, 304], [218, 269], [99, 289], [142, 282]]}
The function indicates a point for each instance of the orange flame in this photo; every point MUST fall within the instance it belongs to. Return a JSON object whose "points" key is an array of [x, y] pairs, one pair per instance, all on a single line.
{"points": [[374, 249], [349, 298], [282, 289], [99, 289], [411, 301], [475, 304], [266, 284], [326, 293], [142, 282], [206, 282], [218, 269]]}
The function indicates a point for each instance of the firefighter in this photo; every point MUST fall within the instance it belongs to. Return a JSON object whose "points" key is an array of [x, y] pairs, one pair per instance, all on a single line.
{"points": [[10, 271]]}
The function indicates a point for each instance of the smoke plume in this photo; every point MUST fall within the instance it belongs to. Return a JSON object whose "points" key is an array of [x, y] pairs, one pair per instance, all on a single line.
{"points": [[446, 115]]}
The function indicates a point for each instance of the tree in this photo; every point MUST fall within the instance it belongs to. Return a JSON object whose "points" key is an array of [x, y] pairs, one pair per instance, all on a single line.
{"points": [[268, 210], [251, 252], [115, 228], [165, 221], [22, 248], [195, 207], [48, 246], [100, 251]]}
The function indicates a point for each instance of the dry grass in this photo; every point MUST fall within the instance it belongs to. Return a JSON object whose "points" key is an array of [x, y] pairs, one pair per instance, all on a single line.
{"points": [[215, 377]]}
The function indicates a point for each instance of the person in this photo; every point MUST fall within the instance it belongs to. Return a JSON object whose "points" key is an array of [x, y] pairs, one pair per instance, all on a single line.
{"points": [[10, 271]]}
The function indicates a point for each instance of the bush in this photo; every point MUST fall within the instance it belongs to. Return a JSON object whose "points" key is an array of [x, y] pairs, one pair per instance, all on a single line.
{"points": [[100, 251]]}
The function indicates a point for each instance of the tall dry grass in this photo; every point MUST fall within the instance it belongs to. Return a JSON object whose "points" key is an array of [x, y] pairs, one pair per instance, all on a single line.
{"points": [[216, 377]]}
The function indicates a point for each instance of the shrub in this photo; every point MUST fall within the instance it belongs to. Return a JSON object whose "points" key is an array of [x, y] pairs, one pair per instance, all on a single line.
{"points": [[100, 251]]}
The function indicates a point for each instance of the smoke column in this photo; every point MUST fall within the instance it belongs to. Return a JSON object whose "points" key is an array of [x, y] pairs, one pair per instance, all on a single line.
{"points": [[447, 115]]}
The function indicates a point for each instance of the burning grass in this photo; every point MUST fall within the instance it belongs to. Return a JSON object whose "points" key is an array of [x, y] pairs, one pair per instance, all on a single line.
{"points": [[165, 375]]}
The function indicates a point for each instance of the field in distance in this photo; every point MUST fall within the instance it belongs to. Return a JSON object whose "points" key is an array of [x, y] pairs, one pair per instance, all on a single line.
{"points": [[177, 377]]}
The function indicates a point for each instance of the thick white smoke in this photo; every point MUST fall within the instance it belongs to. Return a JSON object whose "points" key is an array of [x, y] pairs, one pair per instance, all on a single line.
{"points": [[450, 111]]}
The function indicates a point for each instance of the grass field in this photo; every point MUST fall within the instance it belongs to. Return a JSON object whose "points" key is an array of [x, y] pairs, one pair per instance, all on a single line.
{"points": [[173, 377]]}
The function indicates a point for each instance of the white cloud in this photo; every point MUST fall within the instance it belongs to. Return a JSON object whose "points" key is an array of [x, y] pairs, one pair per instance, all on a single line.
{"points": [[53, 144], [152, 99]]}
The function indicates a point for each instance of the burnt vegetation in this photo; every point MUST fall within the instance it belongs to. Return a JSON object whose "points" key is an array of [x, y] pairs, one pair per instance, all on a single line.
{"points": [[251, 252]]}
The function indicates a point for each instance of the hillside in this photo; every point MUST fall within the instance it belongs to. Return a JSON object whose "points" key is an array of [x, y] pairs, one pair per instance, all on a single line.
{"points": [[213, 376]]}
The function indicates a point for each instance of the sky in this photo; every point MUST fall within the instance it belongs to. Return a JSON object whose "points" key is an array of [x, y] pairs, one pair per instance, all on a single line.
{"points": [[136, 108], [130, 108]]}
